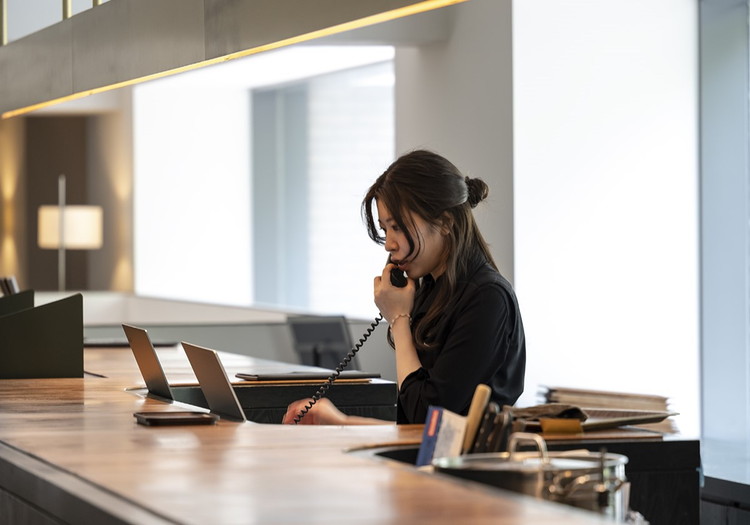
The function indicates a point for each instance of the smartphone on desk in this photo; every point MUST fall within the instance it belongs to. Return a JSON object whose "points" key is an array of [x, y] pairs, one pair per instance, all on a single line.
{"points": [[174, 418]]}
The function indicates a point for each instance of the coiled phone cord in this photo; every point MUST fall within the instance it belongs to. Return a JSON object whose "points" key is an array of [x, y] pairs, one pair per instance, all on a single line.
{"points": [[336, 373]]}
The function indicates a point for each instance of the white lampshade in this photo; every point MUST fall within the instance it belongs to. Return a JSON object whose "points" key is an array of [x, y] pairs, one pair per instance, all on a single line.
{"points": [[83, 227]]}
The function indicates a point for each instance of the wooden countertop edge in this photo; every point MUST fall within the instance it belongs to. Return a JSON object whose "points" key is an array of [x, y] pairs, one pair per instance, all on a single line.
{"points": [[52, 489]]}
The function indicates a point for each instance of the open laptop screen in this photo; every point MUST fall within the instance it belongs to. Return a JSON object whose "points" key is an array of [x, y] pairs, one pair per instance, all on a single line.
{"points": [[148, 362], [214, 382]]}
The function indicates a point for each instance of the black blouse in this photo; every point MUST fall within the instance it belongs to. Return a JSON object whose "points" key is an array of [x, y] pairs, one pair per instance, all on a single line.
{"points": [[480, 339]]}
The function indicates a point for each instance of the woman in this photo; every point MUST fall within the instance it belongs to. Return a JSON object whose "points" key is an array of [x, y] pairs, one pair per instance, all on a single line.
{"points": [[456, 323]]}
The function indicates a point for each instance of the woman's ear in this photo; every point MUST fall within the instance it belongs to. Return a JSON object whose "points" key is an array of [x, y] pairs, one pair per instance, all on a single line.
{"points": [[446, 223]]}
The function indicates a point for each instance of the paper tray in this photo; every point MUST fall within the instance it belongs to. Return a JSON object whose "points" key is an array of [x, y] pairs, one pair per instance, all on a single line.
{"points": [[603, 419], [600, 419]]}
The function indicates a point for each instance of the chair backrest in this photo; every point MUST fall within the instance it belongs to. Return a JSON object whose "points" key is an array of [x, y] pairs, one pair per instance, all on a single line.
{"points": [[322, 341]]}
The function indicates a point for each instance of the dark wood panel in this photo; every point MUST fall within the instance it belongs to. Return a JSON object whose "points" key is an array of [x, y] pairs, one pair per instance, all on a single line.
{"points": [[724, 502], [14, 511], [268, 403], [664, 476], [666, 498], [54, 146], [720, 514]]}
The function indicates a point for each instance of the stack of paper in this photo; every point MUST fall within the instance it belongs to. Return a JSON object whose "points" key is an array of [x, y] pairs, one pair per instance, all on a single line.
{"points": [[602, 399]]}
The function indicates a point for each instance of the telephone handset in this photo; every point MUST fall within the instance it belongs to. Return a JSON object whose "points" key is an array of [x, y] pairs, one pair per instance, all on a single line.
{"points": [[398, 279]]}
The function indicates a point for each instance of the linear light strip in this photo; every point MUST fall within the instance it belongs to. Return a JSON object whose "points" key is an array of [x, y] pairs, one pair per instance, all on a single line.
{"points": [[421, 7]]}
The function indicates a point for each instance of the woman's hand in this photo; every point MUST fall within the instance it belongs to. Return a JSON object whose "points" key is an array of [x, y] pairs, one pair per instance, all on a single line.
{"points": [[322, 413], [392, 300]]}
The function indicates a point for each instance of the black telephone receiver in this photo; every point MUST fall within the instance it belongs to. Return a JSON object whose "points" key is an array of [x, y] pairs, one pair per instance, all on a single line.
{"points": [[398, 279]]}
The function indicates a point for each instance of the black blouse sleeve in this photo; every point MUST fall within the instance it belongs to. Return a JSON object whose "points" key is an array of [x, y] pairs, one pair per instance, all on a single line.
{"points": [[481, 345]]}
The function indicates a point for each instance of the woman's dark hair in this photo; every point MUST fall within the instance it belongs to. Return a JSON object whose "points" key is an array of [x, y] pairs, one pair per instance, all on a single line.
{"points": [[430, 186]]}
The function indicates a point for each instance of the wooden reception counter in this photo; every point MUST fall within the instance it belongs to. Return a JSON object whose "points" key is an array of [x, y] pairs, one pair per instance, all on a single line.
{"points": [[71, 452]]}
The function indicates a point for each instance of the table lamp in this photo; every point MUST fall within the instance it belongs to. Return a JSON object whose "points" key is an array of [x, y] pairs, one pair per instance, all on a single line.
{"points": [[64, 227]]}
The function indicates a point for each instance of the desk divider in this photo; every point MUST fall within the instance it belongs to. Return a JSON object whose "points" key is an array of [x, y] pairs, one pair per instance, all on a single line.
{"points": [[41, 342], [16, 302]]}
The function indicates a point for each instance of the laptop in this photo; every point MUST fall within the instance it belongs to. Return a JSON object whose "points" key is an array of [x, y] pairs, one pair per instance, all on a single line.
{"points": [[148, 362], [214, 382]]}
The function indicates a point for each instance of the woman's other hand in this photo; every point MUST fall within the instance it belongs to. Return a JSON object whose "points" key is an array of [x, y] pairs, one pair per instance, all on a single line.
{"points": [[322, 413]]}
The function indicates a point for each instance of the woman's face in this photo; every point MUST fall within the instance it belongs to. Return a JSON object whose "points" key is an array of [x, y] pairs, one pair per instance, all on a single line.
{"points": [[429, 240]]}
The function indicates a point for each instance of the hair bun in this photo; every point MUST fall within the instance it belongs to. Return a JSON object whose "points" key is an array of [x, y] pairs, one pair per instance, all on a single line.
{"points": [[478, 191]]}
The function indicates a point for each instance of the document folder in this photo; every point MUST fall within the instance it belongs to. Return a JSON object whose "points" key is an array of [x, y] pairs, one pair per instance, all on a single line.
{"points": [[43, 341]]}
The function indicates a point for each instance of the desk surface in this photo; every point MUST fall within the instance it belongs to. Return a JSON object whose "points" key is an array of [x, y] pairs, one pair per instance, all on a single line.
{"points": [[72, 447]]}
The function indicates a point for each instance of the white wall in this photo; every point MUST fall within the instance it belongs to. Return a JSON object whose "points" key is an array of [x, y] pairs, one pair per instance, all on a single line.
{"points": [[184, 199], [582, 120], [110, 184], [192, 176], [351, 143], [456, 97], [725, 177], [606, 196]]}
